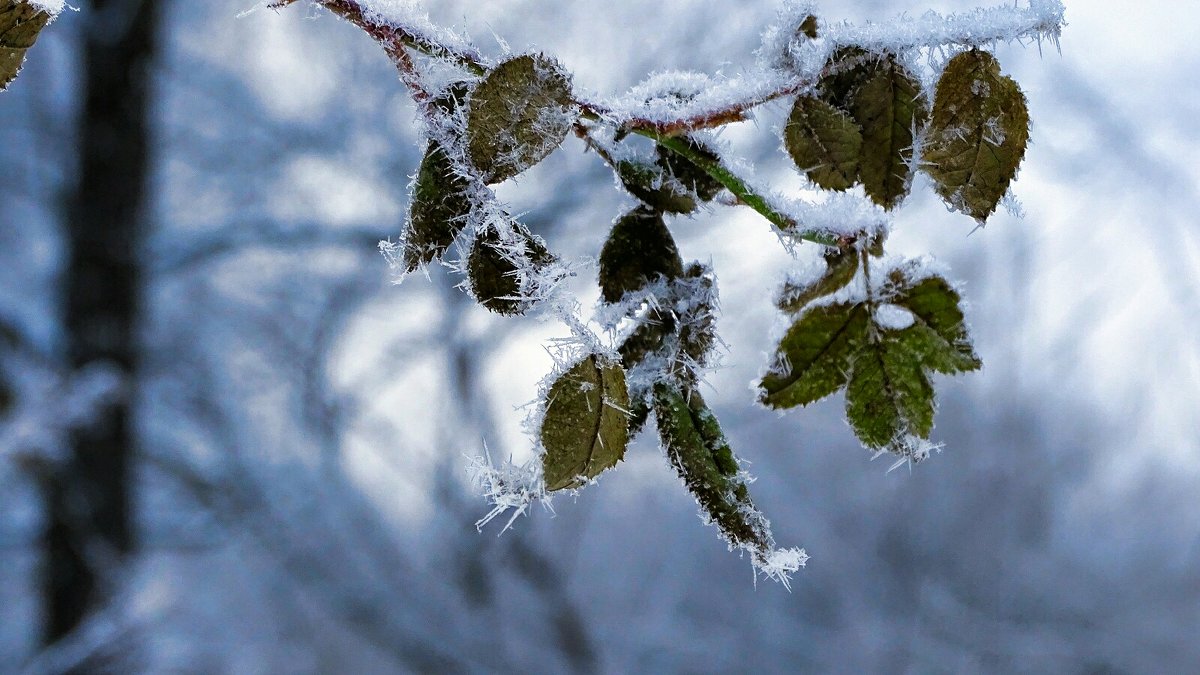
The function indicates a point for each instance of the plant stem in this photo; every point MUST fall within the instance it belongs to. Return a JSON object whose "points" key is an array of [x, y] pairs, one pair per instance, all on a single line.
{"points": [[745, 194]]}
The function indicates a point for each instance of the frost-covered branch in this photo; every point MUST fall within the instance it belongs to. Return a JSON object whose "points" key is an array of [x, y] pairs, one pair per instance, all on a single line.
{"points": [[396, 27], [863, 115], [715, 102], [670, 104], [980, 27]]}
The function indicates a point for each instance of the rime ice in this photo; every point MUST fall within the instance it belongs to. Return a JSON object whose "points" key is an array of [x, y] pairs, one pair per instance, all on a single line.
{"points": [[676, 109]]}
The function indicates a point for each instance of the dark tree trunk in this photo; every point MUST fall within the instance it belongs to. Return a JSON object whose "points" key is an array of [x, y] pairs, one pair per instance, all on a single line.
{"points": [[89, 521]]}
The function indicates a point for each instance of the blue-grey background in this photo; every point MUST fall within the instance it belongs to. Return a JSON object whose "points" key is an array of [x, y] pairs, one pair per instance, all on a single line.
{"points": [[303, 501]]}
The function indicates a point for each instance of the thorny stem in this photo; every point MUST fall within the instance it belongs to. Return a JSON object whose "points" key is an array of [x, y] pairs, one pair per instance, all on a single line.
{"points": [[408, 73]]}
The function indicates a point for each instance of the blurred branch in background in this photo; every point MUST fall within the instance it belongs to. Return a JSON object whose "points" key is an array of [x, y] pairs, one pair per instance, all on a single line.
{"points": [[88, 497]]}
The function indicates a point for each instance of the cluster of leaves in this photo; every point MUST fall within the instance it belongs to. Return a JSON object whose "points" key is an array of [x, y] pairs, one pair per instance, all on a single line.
{"points": [[515, 115], [514, 118], [880, 341], [863, 122], [877, 326], [867, 122]]}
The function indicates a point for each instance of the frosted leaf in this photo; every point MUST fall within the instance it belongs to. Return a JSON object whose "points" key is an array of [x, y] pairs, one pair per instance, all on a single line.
{"points": [[501, 271], [824, 143], [439, 206], [20, 25], [586, 426], [654, 187], [639, 249], [799, 290], [682, 170], [887, 102], [674, 332], [977, 134], [700, 454], [815, 356], [518, 115]]}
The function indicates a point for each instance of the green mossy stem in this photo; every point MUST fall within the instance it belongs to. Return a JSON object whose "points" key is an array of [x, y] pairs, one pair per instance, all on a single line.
{"points": [[744, 193]]}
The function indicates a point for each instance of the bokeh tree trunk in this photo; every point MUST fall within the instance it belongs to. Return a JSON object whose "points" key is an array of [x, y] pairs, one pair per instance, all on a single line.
{"points": [[89, 523]]}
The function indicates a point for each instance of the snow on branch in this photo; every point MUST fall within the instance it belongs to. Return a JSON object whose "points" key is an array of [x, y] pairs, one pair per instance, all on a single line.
{"points": [[673, 101], [52, 7], [670, 102], [396, 24], [1040, 20]]}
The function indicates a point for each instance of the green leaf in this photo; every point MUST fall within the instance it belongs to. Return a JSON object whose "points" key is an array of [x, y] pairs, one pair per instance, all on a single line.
{"points": [[684, 170], [438, 209], [20, 25], [492, 270], [841, 266], [935, 304], [823, 142], [518, 115], [638, 250], [978, 134], [647, 183], [585, 430], [888, 395], [884, 364], [815, 355], [888, 106], [700, 454]]}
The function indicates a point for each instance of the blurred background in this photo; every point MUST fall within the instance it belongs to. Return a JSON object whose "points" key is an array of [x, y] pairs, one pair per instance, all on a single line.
{"points": [[195, 322]]}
